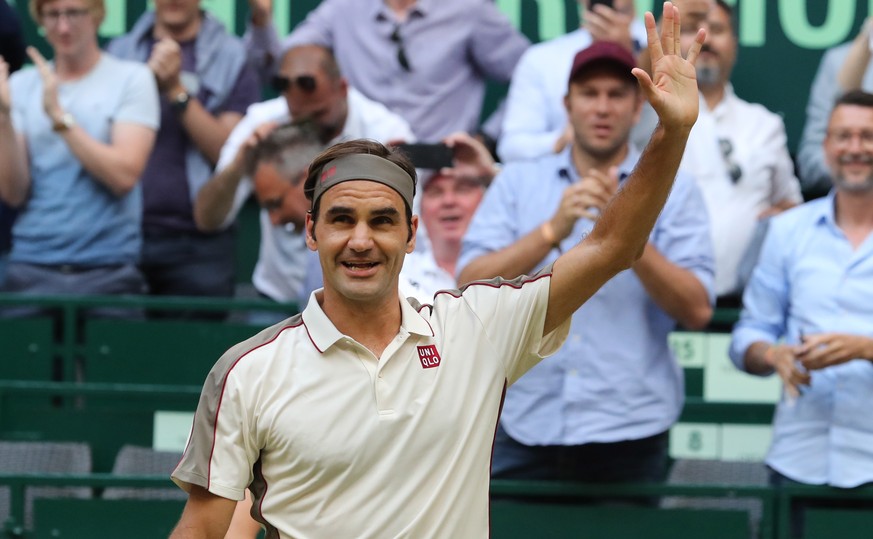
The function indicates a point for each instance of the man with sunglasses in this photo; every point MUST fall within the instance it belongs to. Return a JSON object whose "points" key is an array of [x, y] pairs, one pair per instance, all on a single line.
{"points": [[206, 85], [312, 89], [427, 61]]}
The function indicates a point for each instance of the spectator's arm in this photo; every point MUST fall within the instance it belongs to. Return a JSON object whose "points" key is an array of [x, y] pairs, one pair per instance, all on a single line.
{"points": [[674, 289], [852, 71]]}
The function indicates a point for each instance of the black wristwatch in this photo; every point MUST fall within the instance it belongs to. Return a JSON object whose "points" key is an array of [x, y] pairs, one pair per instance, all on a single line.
{"points": [[180, 102]]}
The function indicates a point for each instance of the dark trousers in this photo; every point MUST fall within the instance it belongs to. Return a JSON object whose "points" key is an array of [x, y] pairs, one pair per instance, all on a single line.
{"points": [[189, 264], [797, 519], [629, 461]]}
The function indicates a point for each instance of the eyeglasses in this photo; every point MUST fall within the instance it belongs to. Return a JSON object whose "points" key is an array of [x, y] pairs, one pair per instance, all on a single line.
{"points": [[845, 138], [734, 170], [401, 51], [73, 16], [306, 83]]}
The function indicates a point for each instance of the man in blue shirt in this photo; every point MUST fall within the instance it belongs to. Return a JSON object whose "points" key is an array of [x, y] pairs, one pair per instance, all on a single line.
{"points": [[601, 408], [807, 316]]}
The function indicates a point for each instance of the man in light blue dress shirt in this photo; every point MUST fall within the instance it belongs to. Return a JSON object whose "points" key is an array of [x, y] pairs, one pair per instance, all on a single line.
{"points": [[599, 409], [808, 316]]}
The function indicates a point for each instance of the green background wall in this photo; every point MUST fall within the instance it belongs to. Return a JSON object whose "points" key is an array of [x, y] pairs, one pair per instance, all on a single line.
{"points": [[781, 40]]}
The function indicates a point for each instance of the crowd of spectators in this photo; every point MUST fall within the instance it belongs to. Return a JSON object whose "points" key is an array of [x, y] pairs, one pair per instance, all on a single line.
{"points": [[123, 171]]}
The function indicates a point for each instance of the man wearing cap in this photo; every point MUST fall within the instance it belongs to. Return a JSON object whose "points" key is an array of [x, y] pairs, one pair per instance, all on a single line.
{"points": [[601, 408], [368, 415]]}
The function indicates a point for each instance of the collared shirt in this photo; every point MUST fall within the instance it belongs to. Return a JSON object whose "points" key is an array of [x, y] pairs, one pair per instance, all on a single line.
{"points": [[757, 144], [281, 265], [809, 279], [452, 47], [615, 378], [335, 442], [535, 114]]}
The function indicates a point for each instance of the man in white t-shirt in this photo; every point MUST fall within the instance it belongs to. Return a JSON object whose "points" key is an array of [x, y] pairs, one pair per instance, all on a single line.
{"points": [[312, 88], [369, 415]]}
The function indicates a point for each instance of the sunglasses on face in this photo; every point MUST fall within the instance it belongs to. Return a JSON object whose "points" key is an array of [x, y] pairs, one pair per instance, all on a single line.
{"points": [[283, 84]]}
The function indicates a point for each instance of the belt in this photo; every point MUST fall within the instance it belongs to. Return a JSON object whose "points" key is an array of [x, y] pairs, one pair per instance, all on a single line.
{"points": [[72, 269]]}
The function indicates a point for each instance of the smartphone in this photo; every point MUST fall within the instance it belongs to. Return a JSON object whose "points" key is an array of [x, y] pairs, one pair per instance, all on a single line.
{"points": [[607, 3], [430, 156]]}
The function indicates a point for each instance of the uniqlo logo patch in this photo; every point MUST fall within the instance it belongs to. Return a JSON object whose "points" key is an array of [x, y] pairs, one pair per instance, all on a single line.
{"points": [[429, 356]]}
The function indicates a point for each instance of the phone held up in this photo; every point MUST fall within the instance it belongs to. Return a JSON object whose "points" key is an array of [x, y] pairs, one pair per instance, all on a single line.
{"points": [[429, 156], [607, 3]]}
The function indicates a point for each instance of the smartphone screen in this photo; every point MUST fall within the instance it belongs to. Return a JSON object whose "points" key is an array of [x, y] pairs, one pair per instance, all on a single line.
{"points": [[430, 156], [607, 3]]}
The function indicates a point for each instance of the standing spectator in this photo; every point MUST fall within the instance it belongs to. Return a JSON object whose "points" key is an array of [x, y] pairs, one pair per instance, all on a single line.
{"points": [[842, 68], [738, 154], [536, 122], [312, 88], [806, 316], [75, 135], [559, 421], [206, 86], [426, 61], [12, 52]]}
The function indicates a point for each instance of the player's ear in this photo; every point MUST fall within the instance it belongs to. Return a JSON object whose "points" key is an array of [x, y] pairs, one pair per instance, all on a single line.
{"points": [[310, 233]]}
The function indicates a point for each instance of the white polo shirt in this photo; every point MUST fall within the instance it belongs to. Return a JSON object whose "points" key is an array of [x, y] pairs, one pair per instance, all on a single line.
{"points": [[335, 442]]}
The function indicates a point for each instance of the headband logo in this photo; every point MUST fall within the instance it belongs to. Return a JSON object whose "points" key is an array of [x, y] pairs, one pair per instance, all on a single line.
{"points": [[329, 173]]}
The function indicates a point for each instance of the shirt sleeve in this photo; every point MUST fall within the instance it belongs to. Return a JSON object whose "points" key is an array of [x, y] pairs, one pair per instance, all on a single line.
{"points": [[512, 315], [264, 49], [140, 103], [765, 299], [814, 172], [526, 131], [246, 91], [222, 447], [317, 28], [496, 45]]}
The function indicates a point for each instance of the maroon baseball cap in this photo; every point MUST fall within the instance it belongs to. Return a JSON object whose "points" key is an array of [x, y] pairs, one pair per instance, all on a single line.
{"points": [[603, 52]]}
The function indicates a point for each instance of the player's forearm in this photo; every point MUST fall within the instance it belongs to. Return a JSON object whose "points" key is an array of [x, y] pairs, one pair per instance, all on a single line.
{"points": [[625, 224], [215, 199], [674, 289], [622, 231]]}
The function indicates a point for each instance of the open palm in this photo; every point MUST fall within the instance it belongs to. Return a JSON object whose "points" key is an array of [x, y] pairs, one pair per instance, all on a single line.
{"points": [[672, 88]]}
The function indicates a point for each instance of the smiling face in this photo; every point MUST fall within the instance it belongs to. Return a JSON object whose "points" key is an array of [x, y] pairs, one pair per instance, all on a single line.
{"points": [[363, 237], [447, 206], [849, 147], [603, 106]]}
